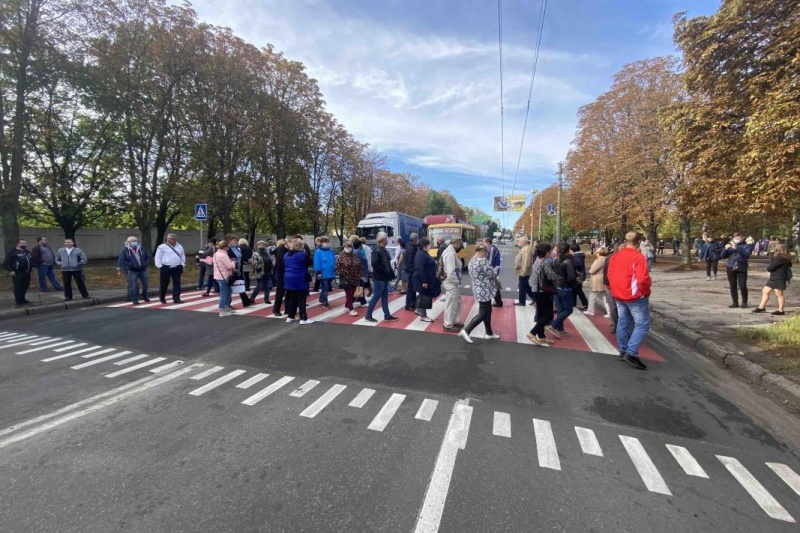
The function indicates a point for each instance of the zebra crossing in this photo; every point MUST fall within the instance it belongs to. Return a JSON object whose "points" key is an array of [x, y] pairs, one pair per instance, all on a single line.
{"points": [[513, 323], [383, 412]]}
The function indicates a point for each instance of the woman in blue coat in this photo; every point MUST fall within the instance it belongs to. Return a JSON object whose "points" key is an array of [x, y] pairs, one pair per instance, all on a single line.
{"points": [[424, 279], [295, 281]]}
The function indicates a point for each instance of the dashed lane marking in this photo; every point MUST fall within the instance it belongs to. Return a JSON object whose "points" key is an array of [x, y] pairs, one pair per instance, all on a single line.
{"points": [[387, 412], [788, 475], [314, 409], [687, 461], [136, 367], [756, 490], [644, 465], [501, 425], [546, 445]]}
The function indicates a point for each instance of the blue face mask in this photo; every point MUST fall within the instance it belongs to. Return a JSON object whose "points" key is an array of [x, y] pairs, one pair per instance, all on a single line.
{"points": [[134, 244], [23, 247]]}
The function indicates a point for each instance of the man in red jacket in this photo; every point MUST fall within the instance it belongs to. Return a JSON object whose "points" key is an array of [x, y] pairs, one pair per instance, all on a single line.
{"points": [[629, 281]]}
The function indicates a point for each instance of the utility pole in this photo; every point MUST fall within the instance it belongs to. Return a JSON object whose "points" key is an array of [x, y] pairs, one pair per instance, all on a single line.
{"points": [[533, 205], [541, 208], [558, 207]]}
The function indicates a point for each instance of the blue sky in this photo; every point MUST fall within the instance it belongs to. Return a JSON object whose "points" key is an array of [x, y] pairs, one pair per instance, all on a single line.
{"points": [[419, 79]]}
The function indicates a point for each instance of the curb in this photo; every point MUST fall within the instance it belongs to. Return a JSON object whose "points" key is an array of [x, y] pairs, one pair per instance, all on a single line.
{"points": [[75, 304], [787, 391]]}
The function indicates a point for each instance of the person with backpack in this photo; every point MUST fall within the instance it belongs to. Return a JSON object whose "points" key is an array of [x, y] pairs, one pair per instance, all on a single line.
{"points": [[710, 252], [261, 264], [780, 274], [737, 252], [564, 299]]}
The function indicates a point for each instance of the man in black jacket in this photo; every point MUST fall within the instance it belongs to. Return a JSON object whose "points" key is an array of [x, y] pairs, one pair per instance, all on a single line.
{"points": [[382, 275], [279, 271], [19, 264], [411, 291]]}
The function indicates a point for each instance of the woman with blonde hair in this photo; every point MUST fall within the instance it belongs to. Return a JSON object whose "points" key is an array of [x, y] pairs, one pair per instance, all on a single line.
{"points": [[597, 290], [295, 281], [484, 288]]}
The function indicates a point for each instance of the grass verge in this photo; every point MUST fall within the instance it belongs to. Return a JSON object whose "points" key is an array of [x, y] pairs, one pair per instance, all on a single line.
{"points": [[783, 342]]}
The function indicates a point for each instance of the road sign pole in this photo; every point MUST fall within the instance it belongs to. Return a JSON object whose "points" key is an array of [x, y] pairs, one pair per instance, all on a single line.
{"points": [[201, 234]]}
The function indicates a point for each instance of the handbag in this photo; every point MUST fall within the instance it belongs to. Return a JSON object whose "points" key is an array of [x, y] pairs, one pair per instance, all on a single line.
{"points": [[230, 279], [238, 287], [359, 292], [424, 301]]}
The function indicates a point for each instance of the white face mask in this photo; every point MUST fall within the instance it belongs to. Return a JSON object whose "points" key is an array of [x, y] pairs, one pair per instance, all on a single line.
{"points": [[348, 250]]}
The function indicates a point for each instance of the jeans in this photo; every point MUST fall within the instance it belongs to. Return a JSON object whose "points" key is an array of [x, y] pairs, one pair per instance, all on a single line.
{"points": [[325, 288], [411, 294], [224, 294], [46, 272], [633, 325], [133, 287], [484, 315], [737, 277], [380, 292], [544, 313], [649, 264], [525, 289], [564, 306], [212, 283], [262, 284]]}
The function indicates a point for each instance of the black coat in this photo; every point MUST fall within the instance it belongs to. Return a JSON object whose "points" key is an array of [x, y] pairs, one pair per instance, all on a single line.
{"points": [[425, 272], [279, 267], [779, 269], [411, 252], [382, 265], [19, 261]]}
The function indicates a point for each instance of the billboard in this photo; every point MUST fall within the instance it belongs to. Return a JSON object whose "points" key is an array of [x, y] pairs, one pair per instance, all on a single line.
{"points": [[510, 202], [482, 220]]}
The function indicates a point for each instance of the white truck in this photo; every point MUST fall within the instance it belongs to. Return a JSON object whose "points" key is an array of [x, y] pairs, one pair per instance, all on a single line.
{"points": [[394, 224]]}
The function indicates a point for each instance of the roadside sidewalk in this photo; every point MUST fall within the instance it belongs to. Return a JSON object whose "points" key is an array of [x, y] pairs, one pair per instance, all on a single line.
{"points": [[695, 312]]}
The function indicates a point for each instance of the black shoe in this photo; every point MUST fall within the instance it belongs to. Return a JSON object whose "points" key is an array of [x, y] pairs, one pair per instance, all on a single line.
{"points": [[369, 319], [635, 361], [759, 310], [621, 356], [777, 313], [410, 308], [163, 301], [87, 297], [744, 305], [145, 299], [67, 299], [391, 319], [459, 325], [519, 304], [733, 306], [27, 302], [178, 301], [135, 302], [267, 302], [206, 295], [277, 313], [497, 305], [326, 306]]}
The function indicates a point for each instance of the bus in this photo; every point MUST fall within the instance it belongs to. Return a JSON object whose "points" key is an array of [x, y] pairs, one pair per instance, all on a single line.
{"points": [[466, 232], [394, 224]]}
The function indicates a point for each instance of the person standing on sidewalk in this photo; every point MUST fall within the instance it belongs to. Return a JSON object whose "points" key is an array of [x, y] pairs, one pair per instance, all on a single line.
{"points": [[630, 286], [71, 259], [411, 253], [710, 253], [43, 260], [451, 264], [484, 287], [523, 264], [170, 260], [736, 253], [134, 261], [495, 259], [324, 269], [19, 264], [383, 275]]}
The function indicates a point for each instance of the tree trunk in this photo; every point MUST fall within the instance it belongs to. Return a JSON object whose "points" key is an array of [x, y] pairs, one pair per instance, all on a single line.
{"points": [[686, 235]]}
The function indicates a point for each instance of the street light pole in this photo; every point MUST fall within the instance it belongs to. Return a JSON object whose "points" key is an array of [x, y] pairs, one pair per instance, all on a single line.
{"points": [[533, 205], [558, 207], [541, 208]]}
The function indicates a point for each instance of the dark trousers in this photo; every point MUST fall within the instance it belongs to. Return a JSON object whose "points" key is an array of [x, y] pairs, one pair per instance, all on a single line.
{"points": [[22, 281], [67, 276], [168, 274], [296, 300], [611, 308], [201, 268], [262, 284], [711, 265], [544, 313], [579, 294], [212, 283], [349, 291], [525, 289], [134, 278], [411, 294], [246, 281], [484, 315], [279, 295], [737, 277]]}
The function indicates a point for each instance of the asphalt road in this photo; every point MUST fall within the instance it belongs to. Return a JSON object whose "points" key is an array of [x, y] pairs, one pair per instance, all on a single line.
{"points": [[518, 439]]}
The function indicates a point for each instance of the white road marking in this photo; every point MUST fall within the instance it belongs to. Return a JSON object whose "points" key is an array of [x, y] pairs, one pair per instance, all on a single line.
{"points": [[433, 313], [146, 304], [263, 393], [5, 334], [387, 412], [116, 395], [15, 336], [394, 306], [756, 490], [136, 367], [211, 308], [252, 381], [645, 466], [788, 475], [502, 424], [455, 438], [304, 388], [362, 398], [546, 445], [314, 409], [45, 340], [206, 373], [427, 409], [523, 324], [99, 352], [480, 330], [217, 382], [70, 354], [331, 314], [596, 341], [123, 304], [687, 461], [22, 341], [45, 347], [252, 309], [588, 440], [60, 350], [184, 303], [132, 359], [161, 368], [101, 360]]}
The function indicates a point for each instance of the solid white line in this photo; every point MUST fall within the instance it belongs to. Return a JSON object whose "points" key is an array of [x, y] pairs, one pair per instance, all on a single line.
{"points": [[70, 354], [787, 475], [263, 393], [591, 335], [15, 336], [101, 360], [387, 412], [362, 398], [252, 381], [427, 409], [161, 368], [21, 342], [455, 438], [304, 388], [394, 306], [687, 461], [184, 302], [136, 367], [206, 373], [763, 498], [45, 340], [123, 304], [133, 388], [645, 466], [60, 350], [313, 410], [217, 382], [546, 445], [100, 352], [252, 309], [131, 359], [433, 313], [45, 347], [502, 424], [588, 440]]}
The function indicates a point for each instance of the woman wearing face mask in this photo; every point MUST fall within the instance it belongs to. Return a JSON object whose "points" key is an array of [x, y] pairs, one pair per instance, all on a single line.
{"points": [[348, 266], [261, 265], [223, 268], [358, 249], [424, 279]]}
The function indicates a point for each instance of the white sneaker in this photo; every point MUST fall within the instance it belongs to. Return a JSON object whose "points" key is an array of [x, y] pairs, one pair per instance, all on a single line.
{"points": [[588, 313], [465, 336], [306, 322], [357, 304], [289, 320], [708, 278], [224, 313], [353, 313], [490, 337], [606, 316]]}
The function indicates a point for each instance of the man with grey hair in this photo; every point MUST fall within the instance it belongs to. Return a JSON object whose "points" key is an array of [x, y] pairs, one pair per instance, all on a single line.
{"points": [[170, 260], [451, 286], [411, 291], [382, 275], [134, 260]]}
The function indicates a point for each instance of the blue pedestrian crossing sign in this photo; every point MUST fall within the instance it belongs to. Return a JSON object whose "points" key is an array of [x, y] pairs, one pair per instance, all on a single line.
{"points": [[201, 211]]}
